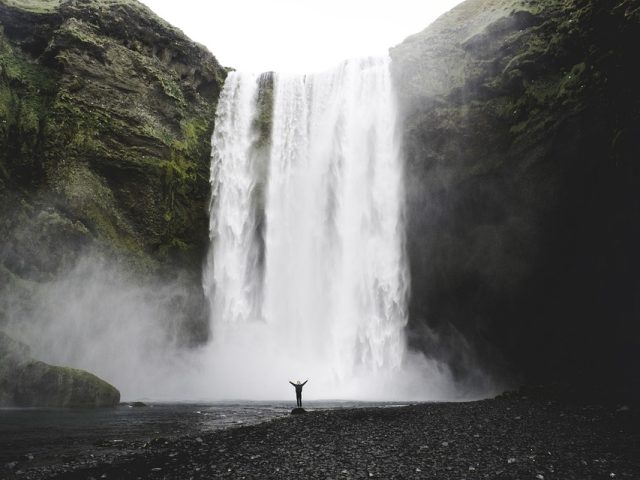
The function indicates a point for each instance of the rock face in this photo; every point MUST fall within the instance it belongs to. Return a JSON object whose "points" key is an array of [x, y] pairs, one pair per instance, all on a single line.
{"points": [[25, 382], [106, 114], [522, 133]]}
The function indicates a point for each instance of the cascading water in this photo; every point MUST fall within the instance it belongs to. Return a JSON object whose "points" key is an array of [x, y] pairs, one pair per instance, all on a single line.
{"points": [[231, 273], [307, 276]]}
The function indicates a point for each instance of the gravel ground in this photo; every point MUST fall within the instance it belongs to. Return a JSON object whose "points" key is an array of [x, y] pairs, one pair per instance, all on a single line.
{"points": [[511, 437]]}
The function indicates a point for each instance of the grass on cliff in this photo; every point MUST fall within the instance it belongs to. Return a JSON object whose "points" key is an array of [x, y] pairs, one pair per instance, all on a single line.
{"points": [[35, 6], [26, 91], [122, 104]]}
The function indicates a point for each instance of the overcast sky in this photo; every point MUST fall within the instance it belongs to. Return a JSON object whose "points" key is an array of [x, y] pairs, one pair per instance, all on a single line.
{"points": [[298, 35]]}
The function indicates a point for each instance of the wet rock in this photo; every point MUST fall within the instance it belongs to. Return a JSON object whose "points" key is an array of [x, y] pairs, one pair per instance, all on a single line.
{"points": [[27, 382], [391, 444], [521, 132]]}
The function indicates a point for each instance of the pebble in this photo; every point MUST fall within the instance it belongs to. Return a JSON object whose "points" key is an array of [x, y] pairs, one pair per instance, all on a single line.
{"points": [[369, 442]]}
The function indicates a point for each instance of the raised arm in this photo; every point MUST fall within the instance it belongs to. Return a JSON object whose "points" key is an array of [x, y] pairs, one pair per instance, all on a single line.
{"points": [[305, 382], [292, 383]]}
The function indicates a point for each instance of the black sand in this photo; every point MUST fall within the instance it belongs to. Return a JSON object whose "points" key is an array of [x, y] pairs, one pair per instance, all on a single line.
{"points": [[511, 437]]}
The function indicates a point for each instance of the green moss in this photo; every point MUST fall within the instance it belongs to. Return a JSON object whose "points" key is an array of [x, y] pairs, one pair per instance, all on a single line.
{"points": [[27, 382], [7, 105], [34, 6], [159, 132], [573, 81], [173, 246], [19, 70], [185, 173], [121, 129], [172, 90], [40, 384], [181, 170], [94, 199], [125, 8], [26, 91], [193, 131], [264, 119], [82, 33]]}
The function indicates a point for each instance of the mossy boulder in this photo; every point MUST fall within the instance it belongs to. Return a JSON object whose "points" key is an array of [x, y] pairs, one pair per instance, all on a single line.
{"points": [[522, 132], [26, 382]]}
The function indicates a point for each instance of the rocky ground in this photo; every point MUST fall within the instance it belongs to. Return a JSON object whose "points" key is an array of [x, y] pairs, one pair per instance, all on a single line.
{"points": [[511, 437]]}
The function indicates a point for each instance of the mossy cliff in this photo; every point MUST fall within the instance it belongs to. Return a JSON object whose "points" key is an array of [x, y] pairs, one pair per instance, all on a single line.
{"points": [[522, 136], [106, 114]]}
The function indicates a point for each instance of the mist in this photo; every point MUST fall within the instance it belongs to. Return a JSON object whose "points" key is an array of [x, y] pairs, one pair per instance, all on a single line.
{"points": [[98, 317]]}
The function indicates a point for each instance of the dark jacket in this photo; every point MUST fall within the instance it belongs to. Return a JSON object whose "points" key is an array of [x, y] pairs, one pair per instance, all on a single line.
{"points": [[298, 387]]}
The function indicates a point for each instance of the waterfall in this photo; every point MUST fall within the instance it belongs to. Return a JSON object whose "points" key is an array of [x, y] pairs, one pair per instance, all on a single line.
{"points": [[231, 281], [307, 275]]}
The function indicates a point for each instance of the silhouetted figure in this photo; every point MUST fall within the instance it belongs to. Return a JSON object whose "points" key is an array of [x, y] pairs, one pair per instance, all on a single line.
{"points": [[298, 386]]}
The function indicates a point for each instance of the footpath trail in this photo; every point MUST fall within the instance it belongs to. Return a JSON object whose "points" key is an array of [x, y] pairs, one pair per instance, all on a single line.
{"points": [[511, 437]]}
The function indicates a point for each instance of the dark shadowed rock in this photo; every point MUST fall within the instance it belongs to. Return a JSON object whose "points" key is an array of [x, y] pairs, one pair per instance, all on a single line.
{"points": [[26, 382], [298, 411], [521, 128]]}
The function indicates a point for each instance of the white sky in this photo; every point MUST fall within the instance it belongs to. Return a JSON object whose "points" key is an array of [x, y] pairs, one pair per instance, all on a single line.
{"points": [[298, 36]]}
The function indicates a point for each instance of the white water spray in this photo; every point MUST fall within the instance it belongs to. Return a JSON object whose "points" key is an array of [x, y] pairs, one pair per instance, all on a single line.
{"points": [[308, 277], [230, 276]]}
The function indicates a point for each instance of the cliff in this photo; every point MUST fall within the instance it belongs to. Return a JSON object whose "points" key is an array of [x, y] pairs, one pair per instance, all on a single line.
{"points": [[106, 114], [521, 125], [522, 133]]}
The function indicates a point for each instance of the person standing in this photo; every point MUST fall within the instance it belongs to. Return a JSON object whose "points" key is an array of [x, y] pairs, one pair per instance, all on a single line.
{"points": [[298, 386]]}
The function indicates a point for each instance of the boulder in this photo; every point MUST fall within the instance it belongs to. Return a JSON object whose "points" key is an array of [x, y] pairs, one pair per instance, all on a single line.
{"points": [[26, 382]]}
